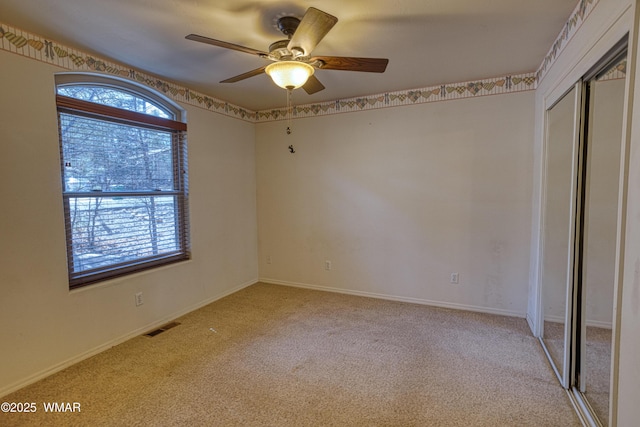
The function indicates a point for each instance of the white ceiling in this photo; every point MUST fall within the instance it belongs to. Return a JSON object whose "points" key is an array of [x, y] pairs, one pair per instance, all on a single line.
{"points": [[428, 42]]}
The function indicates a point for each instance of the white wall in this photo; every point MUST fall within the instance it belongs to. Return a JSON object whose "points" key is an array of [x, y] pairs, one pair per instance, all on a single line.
{"points": [[399, 198], [45, 326]]}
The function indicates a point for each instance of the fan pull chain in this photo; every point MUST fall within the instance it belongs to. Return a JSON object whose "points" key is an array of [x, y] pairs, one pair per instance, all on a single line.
{"points": [[289, 110]]}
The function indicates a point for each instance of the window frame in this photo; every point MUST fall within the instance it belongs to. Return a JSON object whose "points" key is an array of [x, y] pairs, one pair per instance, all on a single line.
{"points": [[108, 114]]}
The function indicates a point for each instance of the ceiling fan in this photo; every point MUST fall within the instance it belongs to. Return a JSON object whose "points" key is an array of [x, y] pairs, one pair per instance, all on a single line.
{"points": [[293, 66]]}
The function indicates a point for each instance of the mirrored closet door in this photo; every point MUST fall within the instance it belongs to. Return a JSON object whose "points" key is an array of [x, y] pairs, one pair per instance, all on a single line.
{"points": [[580, 237], [559, 211], [597, 246]]}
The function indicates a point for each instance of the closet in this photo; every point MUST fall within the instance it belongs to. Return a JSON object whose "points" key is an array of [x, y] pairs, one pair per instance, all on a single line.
{"points": [[580, 234]]}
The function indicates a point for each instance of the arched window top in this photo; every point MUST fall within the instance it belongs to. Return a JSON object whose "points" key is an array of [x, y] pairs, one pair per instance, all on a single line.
{"points": [[118, 93], [106, 95]]}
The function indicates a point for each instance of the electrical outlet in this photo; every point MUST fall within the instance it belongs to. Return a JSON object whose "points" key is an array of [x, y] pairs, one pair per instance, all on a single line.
{"points": [[268, 259], [327, 265], [455, 278], [139, 300]]}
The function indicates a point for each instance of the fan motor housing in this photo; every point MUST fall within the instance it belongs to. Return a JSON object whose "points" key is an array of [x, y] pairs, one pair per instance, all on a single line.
{"points": [[279, 50], [288, 25]]}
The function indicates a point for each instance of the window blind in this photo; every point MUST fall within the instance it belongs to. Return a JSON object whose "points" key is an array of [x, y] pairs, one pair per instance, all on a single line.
{"points": [[124, 191]]}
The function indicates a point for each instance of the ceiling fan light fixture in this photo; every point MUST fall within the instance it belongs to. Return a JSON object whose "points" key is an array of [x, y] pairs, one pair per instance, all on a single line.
{"points": [[289, 74]]}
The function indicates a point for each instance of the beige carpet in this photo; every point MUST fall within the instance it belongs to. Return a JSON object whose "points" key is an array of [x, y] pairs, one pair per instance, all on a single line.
{"points": [[277, 356]]}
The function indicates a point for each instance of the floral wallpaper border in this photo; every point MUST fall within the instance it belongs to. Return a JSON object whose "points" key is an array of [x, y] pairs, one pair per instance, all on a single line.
{"points": [[36, 47], [446, 92]]}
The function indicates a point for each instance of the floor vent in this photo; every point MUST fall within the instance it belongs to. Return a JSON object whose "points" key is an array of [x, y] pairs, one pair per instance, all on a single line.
{"points": [[161, 329]]}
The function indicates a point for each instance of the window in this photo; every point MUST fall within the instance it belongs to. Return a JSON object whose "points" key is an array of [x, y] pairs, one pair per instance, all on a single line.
{"points": [[124, 176]]}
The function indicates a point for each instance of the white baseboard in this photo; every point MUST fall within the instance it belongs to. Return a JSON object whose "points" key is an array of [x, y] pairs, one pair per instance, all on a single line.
{"points": [[600, 324], [421, 301], [531, 325], [139, 331], [554, 319], [593, 323]]}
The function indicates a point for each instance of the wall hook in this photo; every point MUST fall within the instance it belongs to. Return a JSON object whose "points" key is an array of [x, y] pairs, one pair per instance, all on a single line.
{"points": [[291, 150]]}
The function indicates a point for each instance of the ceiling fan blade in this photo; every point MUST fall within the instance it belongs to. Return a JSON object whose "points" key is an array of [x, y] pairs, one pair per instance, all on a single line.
{"points": [[315, 24], [227, 45], [346, 63], [313, 85], [246, 75]]}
